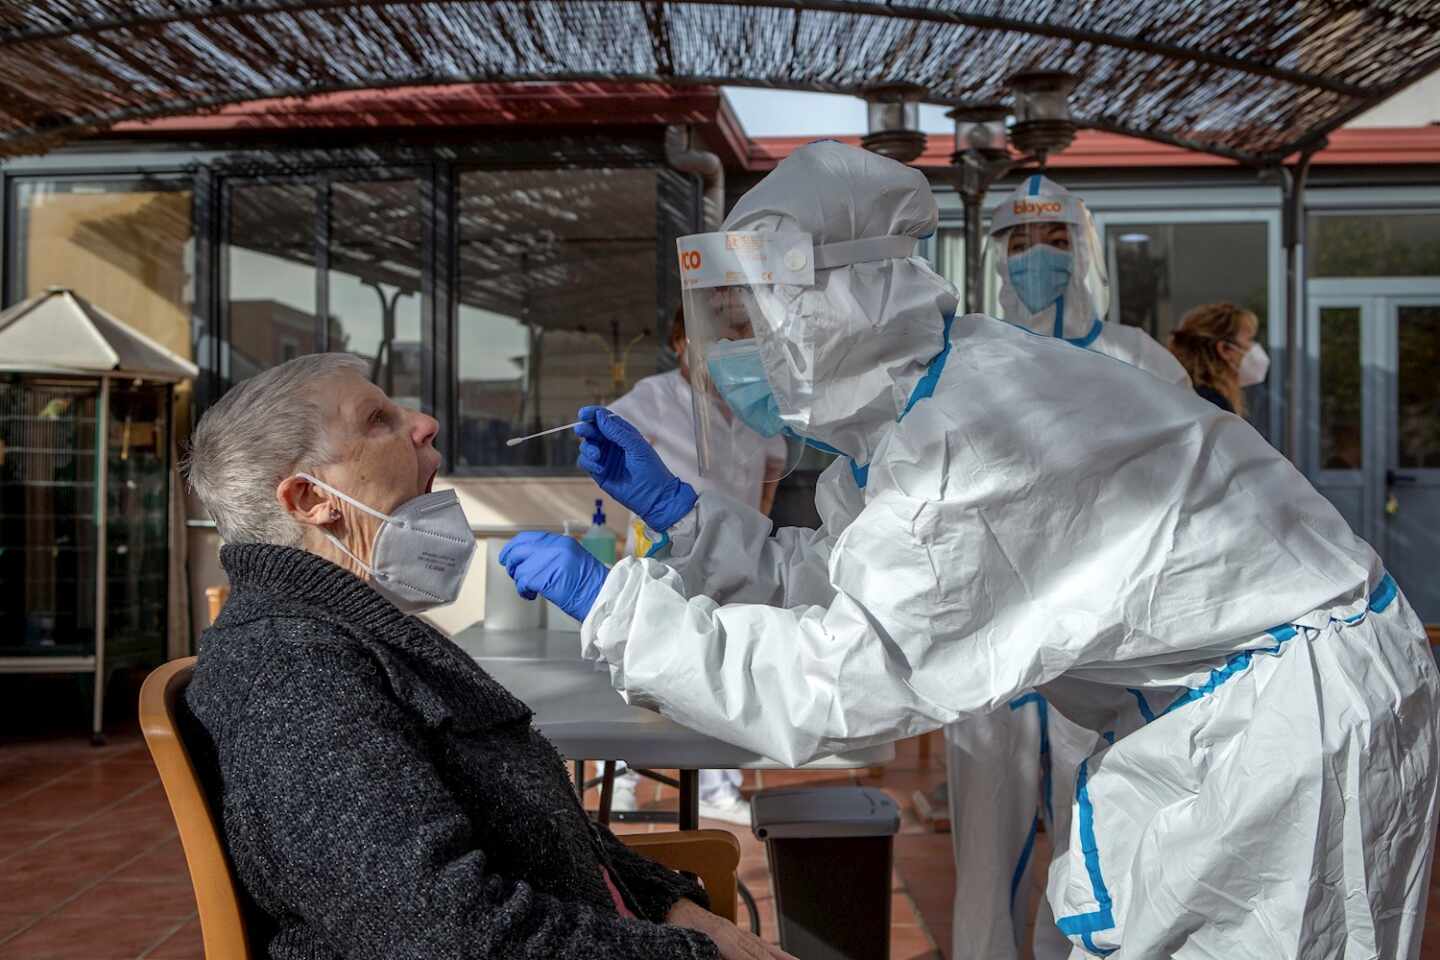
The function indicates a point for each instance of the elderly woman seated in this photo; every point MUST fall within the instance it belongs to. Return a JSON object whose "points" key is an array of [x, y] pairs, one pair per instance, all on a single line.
{"points": [[379, 794]]}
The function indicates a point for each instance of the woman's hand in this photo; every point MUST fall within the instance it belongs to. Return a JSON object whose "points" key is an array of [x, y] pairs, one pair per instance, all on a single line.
{"points": [[734, 943]]}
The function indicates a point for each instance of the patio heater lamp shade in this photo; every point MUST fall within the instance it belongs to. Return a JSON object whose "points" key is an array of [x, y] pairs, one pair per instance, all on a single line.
{"points": [[979, 131], [1042, 112], [893, 119]]}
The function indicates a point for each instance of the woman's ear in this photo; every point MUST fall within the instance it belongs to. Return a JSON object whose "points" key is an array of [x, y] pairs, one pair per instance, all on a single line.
{"points": [[1230, 353], [305, 503]]}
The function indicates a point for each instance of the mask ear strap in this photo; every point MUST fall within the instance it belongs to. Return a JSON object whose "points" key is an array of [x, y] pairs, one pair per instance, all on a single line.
{"points": [[346, 550], [358, 506], [349, 499]]}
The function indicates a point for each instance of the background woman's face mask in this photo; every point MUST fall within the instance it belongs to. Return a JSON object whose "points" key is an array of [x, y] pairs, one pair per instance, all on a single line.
{"points": [[1253, 366], [422, 550], [1040, 275]]}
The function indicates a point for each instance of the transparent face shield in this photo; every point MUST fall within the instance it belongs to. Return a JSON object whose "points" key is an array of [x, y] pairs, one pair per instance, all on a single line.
{"points": [[1039, 263], [728, 284]]}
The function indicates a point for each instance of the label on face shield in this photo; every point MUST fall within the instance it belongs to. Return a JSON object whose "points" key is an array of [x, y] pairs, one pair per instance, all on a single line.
{"points": [[745, 259]]}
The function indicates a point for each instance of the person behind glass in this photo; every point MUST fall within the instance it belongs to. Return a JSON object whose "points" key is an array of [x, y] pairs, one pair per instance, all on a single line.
{"points": [[661, 408], [1215, 343]]}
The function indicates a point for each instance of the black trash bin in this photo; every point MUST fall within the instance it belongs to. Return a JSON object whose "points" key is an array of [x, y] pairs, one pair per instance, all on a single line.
{"points": [[830, 850]]}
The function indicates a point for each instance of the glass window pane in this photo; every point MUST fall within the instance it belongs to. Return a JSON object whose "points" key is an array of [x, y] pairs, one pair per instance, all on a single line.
{"points": [[1342, 439], [47, 515], [557, 289], [1162, 270], [1417, 421], [269, 284], [375, 289], [126, 245], [137, 570], [950, 256], [1373, 245]]}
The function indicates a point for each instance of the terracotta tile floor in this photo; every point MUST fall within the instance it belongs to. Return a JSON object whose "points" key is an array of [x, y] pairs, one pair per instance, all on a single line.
{"points": [[91, 869]]}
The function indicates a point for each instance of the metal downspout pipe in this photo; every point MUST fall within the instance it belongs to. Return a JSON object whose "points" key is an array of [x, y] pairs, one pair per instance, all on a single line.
{"points": [[683, 156]]}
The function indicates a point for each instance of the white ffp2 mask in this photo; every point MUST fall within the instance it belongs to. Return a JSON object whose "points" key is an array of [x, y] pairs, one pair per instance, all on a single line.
{"points": [[1253, 366], [422, 550]]}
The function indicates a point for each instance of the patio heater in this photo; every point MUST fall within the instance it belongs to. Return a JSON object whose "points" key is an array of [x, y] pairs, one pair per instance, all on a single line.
{"points": [[1042, 112], [892, 113]]}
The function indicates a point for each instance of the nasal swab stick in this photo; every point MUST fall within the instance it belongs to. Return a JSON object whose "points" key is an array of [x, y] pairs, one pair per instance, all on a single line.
{"points": [[569, 426]]}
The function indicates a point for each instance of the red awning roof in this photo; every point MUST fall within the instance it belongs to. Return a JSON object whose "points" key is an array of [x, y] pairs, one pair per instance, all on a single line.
{"points": [[619, 104], [1359, 146], [471, 105]]}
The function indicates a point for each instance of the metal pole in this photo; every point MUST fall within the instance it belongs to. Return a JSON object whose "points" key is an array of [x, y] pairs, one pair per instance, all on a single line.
{"points": [[689, 800], [973, 287], [102, 549], [978, 173], [1293, 215]]}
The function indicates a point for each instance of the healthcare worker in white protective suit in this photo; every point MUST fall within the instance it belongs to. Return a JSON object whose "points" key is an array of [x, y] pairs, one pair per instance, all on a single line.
{"points": [[1012, 513], [1005, 768], [662, 407], [1044, 246]]}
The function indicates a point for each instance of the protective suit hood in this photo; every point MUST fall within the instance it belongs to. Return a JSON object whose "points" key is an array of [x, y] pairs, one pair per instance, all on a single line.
{"points": [[1079, 313], [844, 356]]}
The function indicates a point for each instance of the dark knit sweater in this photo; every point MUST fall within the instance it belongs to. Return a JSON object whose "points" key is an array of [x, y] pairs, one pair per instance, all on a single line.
{"points": [[381, 796], [1215, 397]]}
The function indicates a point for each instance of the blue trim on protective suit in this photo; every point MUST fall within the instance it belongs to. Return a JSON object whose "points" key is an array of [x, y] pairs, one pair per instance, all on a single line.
{"points": [[1047, 770], [924, 389], [1142, 703], [662, 544], [1384, 594], [1034, 184], [1085, 924], [1020, 867], [1089, 338], [1380, 598]]}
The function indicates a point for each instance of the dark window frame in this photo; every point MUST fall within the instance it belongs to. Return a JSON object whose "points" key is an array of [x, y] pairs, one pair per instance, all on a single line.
{"points": [[437, 165]]}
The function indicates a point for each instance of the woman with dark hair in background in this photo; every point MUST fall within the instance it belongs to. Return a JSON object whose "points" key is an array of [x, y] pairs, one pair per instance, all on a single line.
{"points": [[1215, 343]]}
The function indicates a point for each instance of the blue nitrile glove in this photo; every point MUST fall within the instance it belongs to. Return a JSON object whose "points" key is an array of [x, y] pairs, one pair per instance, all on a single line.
{"points": [[557, 568], [625, 466]]}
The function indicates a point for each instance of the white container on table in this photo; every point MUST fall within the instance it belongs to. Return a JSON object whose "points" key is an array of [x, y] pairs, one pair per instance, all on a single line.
{"points": [[505, 609]]}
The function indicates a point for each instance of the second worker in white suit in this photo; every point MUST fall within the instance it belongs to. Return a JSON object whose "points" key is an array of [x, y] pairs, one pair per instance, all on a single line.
{"points": [[1005, 769]]}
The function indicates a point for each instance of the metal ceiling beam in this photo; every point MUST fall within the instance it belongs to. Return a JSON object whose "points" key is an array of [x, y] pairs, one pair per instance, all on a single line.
{"points": [[1316, 138], [233, 9]]}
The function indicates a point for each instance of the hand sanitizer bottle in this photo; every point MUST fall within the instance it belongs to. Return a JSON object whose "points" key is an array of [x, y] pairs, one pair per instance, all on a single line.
{"points": [[598, 540]]}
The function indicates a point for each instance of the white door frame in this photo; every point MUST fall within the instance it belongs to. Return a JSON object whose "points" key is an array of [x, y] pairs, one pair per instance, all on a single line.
{"points": [[1378, 299]]}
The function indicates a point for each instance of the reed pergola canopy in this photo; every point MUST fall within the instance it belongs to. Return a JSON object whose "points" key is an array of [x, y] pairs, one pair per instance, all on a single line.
{"points": [[1256, 82]]}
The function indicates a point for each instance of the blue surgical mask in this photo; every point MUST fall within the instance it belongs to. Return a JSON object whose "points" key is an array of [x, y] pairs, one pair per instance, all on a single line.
{"points": [[1040, 275], [739, 376]]}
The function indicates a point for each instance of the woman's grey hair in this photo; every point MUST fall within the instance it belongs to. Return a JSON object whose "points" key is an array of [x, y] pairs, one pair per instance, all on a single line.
{"points": [[262, 431]]}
